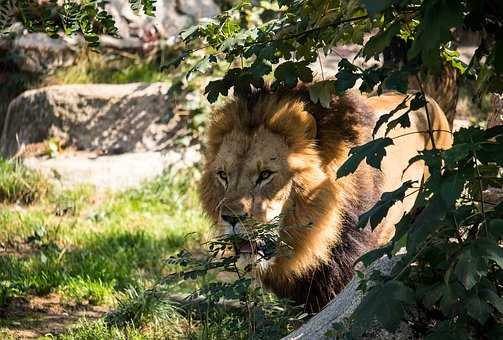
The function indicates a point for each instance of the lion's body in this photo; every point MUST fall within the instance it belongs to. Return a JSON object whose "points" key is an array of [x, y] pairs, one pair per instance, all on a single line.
{"points": [[304, 144]]}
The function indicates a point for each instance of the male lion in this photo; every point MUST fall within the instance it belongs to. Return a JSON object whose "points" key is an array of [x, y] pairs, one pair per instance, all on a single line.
{"points": [[276, 154]]}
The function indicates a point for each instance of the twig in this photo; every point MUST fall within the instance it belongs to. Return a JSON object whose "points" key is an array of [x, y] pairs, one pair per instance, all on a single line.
{"points": [[430, 131], [424, 131]]}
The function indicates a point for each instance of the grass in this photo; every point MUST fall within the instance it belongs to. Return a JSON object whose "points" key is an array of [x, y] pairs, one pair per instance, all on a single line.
{"points": [[94, 68], [111, 250], [90, 249], [19, 184], [72, 243]]}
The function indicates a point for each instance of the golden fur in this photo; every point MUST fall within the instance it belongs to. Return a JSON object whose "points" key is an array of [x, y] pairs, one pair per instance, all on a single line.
{"points": [[303, 145]]}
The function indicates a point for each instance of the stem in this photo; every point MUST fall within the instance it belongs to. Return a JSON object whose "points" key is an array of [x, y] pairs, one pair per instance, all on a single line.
{"points": [[430, 131], [425, 131], [479, 180]]}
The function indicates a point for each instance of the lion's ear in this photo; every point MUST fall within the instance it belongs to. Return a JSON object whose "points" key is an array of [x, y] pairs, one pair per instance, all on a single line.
{"points": [[293, 121]]}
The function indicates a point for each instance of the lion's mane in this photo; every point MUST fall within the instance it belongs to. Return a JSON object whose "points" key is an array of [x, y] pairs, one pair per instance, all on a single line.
{"points": [[321, 266]]}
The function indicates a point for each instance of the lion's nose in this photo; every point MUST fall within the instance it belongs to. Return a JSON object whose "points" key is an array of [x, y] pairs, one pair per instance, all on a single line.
{"points": [[233, 219]]}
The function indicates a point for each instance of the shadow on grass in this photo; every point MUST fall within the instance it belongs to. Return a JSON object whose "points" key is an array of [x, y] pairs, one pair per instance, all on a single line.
{"points": [[103, 263]]}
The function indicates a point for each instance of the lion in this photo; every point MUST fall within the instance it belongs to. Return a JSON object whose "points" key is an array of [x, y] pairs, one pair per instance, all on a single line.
{"points": [[274, 155]]}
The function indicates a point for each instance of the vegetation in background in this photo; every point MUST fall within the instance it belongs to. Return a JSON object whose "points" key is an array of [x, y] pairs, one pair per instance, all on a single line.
{"points": [[92, 67]]}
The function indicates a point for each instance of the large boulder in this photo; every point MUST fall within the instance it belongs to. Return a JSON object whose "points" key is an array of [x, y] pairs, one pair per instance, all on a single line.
{"points": [[111, 119], [37, 52]]}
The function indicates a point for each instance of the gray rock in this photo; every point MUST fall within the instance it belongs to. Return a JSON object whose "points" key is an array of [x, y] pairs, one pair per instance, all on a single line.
{"points": [[116, 172], [37, 52], [171, 16], [110, 118], [343, 306]]}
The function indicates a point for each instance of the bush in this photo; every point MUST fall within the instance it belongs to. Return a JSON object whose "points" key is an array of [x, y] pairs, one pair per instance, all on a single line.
{"points": [[19, 184]]}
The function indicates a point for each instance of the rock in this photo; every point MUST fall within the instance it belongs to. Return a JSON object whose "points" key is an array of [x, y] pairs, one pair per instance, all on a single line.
{"points": [[116, 172], [112, 119], [341, 308], [171, 16], [198, 8], [37, 52]]}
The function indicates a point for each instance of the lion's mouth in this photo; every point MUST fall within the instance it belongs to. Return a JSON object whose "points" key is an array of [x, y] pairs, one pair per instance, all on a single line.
{"points": [[257, 248], [245, 247]]}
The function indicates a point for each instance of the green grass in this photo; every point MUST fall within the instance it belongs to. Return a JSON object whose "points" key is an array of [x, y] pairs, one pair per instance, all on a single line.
{"points": [[95, 68], [19, 184], [93, 249], [119, 244], [110, 250]]}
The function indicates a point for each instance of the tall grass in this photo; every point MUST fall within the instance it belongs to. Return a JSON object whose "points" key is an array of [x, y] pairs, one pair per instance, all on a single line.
{"points": [[19, 184]]}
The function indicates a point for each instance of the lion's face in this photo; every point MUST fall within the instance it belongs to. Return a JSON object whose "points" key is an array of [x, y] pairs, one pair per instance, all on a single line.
{"points": [[261, 165], [252, 177]]}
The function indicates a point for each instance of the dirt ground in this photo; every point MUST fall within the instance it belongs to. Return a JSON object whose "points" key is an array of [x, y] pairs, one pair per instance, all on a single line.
{"points": [[35, 316]]}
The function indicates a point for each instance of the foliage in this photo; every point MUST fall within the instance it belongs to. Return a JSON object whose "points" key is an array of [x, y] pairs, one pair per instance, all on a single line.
{"points": [[19, 184], [452, 271], [87, 17], [254, 312], [299, 30]]}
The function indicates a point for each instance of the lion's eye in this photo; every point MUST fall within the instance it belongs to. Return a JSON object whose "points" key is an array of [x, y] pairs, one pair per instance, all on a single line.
{"points": [[264, 175], [222, 175]]}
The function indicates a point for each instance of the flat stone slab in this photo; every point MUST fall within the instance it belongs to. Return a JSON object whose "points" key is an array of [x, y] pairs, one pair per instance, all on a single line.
{"points": [[112, 173]]}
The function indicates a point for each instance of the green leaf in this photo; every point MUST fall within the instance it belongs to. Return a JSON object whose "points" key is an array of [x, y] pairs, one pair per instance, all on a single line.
{"points": [[347, 76], [403, 121], [489, 249], [477, 309], [215, 88], [384, 304], [376, 214], [417, 102], [452, 294], [451, 186], [202, 66], [375, 254], [322, 92], [471, 267], [432, 294], [289, 72], [495, 228], [426, 223], [373, 152], [380, 41], [490, 296]]}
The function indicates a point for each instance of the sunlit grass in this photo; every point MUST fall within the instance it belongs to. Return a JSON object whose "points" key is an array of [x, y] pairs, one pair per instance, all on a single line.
{"points": [[96, 68], [87, 250], [19, 184]]}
